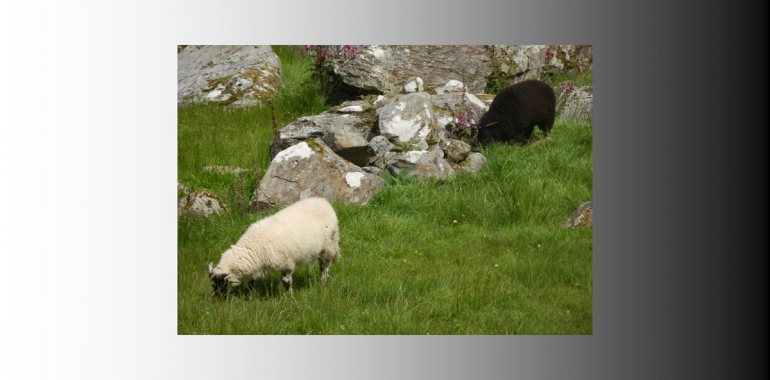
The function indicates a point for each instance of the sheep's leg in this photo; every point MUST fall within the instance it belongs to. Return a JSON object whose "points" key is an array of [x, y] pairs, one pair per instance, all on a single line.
{"points": [[324, 266], [527, 134], [286, 279], [547, 127]]}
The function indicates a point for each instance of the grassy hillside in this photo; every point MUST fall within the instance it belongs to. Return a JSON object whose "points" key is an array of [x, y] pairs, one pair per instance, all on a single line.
{"points": [[478, 254]]}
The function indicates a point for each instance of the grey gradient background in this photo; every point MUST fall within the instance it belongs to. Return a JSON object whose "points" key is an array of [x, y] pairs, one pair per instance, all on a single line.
{"points": [[88, 160]]}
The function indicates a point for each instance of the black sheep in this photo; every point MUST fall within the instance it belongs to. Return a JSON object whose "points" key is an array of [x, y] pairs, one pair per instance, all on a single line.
{"points": [[516, 111]]}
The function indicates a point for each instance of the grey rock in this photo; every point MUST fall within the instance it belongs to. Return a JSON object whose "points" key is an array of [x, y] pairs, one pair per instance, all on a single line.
{"points": [[522, 62], [224, 169], [181, 187], [310, 169], [575, 103], [420, 145], [371, 169], [436, 151], [202, 203], [380, 145], [451, 101], [234, 74], [381, 161], [347, 141], [353, 106], [386, 68], [410, 117], [583, 216], [455, 150], [473, 163], [421, 164], [344, 133]]}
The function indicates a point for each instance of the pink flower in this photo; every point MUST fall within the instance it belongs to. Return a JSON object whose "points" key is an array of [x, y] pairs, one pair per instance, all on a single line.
{"points": [[354, 52], [307, 47], [473, 112], [347, 48], [582, 69], [462, 121]]}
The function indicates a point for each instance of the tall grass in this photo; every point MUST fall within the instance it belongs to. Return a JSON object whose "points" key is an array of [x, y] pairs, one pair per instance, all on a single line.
{"points": [[477, 254]]}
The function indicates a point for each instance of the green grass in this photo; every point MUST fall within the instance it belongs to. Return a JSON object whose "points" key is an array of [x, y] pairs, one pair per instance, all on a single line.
{"points": [[505, 267]]}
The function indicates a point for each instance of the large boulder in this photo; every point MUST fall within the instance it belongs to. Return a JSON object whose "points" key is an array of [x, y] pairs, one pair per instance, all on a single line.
{"points": [[409, 117], [452, 101], [312, 169], [386, 68], [345, 133], [574, 103], [230, 74], [517, 63]]}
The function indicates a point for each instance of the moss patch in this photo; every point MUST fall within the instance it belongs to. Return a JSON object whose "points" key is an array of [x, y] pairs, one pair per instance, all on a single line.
{"points": [[216, 82], [315, 146]]}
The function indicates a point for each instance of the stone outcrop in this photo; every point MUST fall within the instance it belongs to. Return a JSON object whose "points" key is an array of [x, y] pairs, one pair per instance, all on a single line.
{"points": [[345, 133], [180, 187], [393, 132], [387, 68], [418, 121], [452, 100], [230, 74], [574, 103], [517, 63], [202, 203], [583, 216], [421, 164], [224, 169], [312, 169], [409, 117]]}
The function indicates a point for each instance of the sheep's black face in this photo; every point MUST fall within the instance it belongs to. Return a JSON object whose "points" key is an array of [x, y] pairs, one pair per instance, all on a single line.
{"points": [[487, 131], [487, 134], [484, 136], [219, 284]]}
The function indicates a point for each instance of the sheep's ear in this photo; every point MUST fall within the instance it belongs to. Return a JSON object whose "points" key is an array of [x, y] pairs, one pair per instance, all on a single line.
{"points": [[211, 267]]}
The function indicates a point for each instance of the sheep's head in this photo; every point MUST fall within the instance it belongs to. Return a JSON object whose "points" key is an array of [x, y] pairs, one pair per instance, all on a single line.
{"points": [[486, 133], [220, 280]]}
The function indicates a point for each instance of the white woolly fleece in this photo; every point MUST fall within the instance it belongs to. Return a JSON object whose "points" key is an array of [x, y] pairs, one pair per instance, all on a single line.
{"points": [[296, 235]]}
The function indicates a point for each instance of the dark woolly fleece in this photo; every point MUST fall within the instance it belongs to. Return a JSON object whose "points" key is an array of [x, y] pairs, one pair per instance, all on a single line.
{"points": [[516, 111]]}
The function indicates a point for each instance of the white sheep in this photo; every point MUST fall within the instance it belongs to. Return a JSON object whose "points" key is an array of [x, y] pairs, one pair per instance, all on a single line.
{"points": [[300, 234]]}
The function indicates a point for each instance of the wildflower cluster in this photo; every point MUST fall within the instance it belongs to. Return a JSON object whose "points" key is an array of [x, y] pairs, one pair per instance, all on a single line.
{"points": [[548, 69], [465, 128], [322, 69]]}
